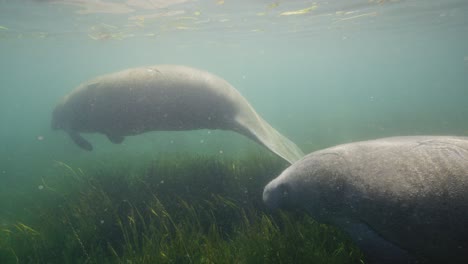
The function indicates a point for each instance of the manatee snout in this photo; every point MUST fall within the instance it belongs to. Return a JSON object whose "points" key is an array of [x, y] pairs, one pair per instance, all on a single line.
{"points": [[277, 194], [61, 121], [54, 125], [57, 118]]}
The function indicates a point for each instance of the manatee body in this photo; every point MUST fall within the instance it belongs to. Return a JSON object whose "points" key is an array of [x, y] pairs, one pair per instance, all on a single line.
{"points": [[163, 97], [401, 199]]}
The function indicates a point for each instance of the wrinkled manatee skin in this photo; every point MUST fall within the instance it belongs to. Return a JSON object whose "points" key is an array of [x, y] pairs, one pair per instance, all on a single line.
{"points": [[409, 194]]}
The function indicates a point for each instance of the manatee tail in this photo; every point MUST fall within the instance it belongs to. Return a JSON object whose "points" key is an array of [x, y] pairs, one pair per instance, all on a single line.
{"points": [[262, 132]]}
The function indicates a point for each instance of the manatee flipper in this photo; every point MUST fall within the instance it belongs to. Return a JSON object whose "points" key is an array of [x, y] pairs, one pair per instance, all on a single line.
{"points": [[80, 141], [376, 248], [259, 130], [116, 139]]}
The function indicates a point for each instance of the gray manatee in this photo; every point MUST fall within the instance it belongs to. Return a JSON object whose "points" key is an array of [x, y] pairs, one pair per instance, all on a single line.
{"points": [[401, 199], [163, 97]]}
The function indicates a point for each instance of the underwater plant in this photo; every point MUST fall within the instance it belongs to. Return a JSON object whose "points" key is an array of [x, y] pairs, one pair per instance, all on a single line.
{"points": [[176, 209]]}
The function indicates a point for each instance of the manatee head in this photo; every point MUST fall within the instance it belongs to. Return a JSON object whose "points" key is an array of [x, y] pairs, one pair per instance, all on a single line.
{"points": [[315, 183], [60, 119], [282, 192]]}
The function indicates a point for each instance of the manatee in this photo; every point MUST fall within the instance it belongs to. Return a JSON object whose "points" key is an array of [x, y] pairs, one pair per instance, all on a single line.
{"points": [[401, 199], [163, 98]]}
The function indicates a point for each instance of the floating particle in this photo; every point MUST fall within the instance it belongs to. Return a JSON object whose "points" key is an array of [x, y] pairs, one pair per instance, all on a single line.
{"points": [[202, 141], [40, 138], [465, 58], [371, 14], [162, 182], [3, 28], [273, 5], [221, 152], [39, 34], [220, 2], [197, 13], [40, 187], [300, 11], [102, 222]]}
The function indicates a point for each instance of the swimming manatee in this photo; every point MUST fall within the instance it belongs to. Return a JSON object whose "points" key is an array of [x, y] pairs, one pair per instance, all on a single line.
{"points": [[401, 199], [163, 97]]}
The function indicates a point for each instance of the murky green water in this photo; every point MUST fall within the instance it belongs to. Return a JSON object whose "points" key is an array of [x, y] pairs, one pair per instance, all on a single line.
{"points": [[322, 73]]}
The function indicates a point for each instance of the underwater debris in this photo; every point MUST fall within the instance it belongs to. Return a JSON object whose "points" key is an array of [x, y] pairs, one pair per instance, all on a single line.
{"points": [[273, 5], [381, 2], [154, 4], [40, 35], [106, 32], [187, 18], [371, 14], [300, 12], [268, 9], [155, 16], [96, 6], [138, 20], [183, 28]]}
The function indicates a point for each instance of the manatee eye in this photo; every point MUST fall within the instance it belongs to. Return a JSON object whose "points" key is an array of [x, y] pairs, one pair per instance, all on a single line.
{"points": [[285, 195]]}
